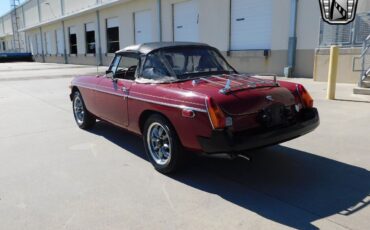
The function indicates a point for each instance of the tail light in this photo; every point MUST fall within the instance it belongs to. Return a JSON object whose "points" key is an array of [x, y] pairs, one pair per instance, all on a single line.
{"points": [[305, 97], [216, 115]]}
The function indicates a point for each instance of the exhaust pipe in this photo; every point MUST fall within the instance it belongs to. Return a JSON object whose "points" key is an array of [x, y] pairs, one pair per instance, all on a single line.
{"points": [[229, 156]]}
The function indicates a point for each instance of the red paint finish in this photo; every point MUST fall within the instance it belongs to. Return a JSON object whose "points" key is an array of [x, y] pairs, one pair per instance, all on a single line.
{"points": [[240, 103], [123, 102]]}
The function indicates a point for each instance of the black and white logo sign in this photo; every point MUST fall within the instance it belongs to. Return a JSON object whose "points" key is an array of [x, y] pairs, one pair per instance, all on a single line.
{"points": [[338, 11]]}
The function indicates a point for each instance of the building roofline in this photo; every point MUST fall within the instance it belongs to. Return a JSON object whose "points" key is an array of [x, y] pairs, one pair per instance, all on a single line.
{"points": [[94, 8]]}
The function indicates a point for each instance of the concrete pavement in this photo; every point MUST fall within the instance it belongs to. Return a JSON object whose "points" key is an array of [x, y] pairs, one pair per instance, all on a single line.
{"points": [[56, 176]]}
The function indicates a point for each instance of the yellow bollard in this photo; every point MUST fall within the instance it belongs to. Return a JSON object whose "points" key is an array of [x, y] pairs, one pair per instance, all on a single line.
{"points": [[333, 69]]}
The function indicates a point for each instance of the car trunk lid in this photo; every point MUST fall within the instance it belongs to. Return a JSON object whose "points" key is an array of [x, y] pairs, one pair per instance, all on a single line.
{"points": [[245, 96]]}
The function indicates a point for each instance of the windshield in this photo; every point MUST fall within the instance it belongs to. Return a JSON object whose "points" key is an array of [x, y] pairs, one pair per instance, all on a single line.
{"points": [[184, 63]]}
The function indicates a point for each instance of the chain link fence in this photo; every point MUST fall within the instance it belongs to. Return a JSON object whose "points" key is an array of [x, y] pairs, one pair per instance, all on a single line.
{"points": [[351, 35]]}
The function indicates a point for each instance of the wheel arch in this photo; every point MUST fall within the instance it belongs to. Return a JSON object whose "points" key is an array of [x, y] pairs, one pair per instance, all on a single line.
{"points": [[146, 114], [73, 90]]}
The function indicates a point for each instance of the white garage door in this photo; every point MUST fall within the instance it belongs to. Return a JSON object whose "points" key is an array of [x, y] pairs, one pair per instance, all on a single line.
{"points": [[39, 44], [186, 21], [60, 41], [48, 42], [251, 24], [143, 27]]}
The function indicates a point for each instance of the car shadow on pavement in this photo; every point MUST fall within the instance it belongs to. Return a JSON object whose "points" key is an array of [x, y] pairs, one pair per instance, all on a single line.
{"points": [[287, 186]]}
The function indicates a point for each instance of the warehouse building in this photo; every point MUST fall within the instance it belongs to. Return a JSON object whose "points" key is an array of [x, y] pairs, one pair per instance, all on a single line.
{"points": [[256, 36]]}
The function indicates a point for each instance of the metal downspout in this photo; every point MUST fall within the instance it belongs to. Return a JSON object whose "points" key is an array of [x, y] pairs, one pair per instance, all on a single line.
{"points": [[64, 44], [292, 46], [99, 50], [42, 45], [159, 6]]}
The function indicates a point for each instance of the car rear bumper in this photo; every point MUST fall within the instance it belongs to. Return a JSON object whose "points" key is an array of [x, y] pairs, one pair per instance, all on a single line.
{"points": [[226, 142]]}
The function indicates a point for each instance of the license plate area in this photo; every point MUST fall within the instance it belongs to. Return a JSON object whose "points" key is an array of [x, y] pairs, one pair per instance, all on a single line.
{"points": [[275, 115]]}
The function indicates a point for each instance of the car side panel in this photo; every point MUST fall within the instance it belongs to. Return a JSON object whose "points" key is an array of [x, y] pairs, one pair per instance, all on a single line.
{"points": [[87, 85], [188, 129], [169, 101], [111, 101]]}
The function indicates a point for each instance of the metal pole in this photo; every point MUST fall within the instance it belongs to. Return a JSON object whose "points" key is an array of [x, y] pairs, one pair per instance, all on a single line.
{"points": [[292, 46], [159, 6], [42, 46], [64, 44], [99, 50], [333, 69]]}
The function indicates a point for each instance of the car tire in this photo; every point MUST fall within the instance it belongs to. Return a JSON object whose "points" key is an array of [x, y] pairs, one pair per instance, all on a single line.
{"points": [[162, 145], [84, 119]]}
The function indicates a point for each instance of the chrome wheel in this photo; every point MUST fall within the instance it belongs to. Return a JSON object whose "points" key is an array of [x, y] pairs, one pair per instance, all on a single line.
{"points": [[159, 144], [78, 110]]}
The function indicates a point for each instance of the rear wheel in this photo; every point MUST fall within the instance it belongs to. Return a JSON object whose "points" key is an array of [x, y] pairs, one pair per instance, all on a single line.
{"points": [[162, 145], [83, 118]]}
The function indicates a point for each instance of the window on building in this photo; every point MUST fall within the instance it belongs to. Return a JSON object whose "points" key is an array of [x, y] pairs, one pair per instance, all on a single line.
{"points": [[48, 42], [90, 38], [4, 46], [72, 40], [59, 41], [112, 35]]}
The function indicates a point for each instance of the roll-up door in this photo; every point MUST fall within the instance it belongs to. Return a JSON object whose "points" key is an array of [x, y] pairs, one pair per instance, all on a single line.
{"points": [[60, 41], [48, 42], [143, 27], [186, 21], [251, 24], [39, 44]]}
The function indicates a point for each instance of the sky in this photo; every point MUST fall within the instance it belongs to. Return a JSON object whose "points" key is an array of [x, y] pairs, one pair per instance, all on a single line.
{"points": [[5, 6]]}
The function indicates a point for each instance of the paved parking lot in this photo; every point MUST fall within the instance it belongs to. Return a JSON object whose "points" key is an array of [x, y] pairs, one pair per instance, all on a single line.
{"points": [[56, 176]]}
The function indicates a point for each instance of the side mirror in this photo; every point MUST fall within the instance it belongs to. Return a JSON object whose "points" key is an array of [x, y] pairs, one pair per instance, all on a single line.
{"points": [[109, 74]]}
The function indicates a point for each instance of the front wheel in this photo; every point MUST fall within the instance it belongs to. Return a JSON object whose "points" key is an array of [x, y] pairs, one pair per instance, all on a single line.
{"points": [[83, 118], [162, 145]]}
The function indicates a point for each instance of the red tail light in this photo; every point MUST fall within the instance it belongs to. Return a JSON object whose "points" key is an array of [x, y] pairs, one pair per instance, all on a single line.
{"points": [[216, 115], [306, 98]]}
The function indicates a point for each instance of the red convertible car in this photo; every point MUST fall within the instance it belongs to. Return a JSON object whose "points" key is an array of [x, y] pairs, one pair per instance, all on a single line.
{"points": [[183, 97]]}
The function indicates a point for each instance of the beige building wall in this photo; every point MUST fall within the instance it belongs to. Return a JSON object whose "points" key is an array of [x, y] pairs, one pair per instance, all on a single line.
{"points": [[79, 25], [31, 13], [125, 13], [214, 29], [256, 61], [308, 30], [31, 34], [345, 65], [50, 9], [214, 24], [73, 6], [2, 33], [7, 24], [53, 43]]}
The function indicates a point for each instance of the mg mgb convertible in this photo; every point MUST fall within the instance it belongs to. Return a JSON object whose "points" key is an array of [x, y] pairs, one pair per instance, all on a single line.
{"points": [[185, 97]]}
